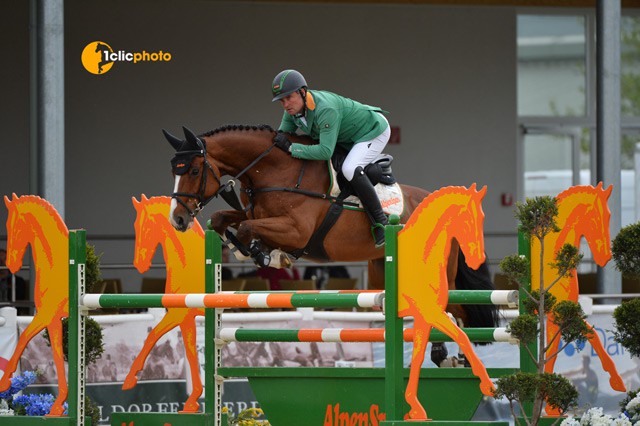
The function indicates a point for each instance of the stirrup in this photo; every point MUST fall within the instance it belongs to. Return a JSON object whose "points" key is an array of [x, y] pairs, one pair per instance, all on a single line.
{"points": [[377, 231]]}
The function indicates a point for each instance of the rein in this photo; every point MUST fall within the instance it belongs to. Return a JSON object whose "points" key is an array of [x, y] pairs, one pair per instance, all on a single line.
{"points": [[226, 190]]}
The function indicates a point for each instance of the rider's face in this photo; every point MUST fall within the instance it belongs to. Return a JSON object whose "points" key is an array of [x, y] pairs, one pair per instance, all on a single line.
{"points": [[292, 103]]}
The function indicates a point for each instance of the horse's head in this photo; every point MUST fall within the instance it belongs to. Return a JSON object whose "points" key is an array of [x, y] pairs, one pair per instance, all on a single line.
{"points": [[469, 225], [193, 188], [19, 234], [149, 233], [593, 222]]}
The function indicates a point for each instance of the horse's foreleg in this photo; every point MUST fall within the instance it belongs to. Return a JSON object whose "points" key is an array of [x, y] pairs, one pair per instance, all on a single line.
{"points": [[55, 337], [276, 232], [221, 220], [35, 327], [607, 363], [442, 322], [420, 340], [188, 329], [168, 322]]}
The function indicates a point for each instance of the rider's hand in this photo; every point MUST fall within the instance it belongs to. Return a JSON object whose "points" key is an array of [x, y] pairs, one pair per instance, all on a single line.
{"points": [[280, 140]]}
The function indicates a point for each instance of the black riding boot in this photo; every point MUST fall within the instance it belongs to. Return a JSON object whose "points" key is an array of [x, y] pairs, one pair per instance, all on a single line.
{"points": [[371, 203]]}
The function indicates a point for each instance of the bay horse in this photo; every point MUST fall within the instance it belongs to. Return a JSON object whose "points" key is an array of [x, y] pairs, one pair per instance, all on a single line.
{"points": [[284, 201], [33, 221], [582, 212], [446, 215], [184, 257]]}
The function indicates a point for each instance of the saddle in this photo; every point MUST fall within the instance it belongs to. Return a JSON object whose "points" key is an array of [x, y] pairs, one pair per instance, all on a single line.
{"points": [[379, 171]]}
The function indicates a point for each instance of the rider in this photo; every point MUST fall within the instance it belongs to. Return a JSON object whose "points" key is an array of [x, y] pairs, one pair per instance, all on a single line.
{"points": [[333, 119]]}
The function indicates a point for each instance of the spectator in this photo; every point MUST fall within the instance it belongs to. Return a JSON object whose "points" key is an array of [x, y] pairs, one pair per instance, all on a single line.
{"points": [[275, 275], [321, 274]]}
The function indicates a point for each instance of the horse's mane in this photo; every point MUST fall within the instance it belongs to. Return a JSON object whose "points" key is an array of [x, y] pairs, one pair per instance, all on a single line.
{"points": [[435, 196], [46, 206], [230, 127], [260, 127]]}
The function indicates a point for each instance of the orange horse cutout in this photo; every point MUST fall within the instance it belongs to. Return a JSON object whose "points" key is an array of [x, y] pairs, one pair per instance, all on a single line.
{"points": [[423, 292], [33, 221], [582, 212], [184, 257]]}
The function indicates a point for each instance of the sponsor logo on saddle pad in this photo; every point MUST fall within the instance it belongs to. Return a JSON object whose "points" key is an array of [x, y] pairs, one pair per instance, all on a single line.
{"points": [[390, 196], [98, 57]]}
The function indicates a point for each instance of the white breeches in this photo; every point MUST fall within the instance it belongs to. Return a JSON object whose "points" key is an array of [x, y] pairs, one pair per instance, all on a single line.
{"points": [[364, 153]]}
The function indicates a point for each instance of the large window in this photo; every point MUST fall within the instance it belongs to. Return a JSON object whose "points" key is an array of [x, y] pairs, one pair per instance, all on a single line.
{"points": [[556, 103], [551, 65]]}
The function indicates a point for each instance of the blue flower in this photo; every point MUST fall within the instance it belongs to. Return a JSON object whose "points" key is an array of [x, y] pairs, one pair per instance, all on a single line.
{"points": [[19, 383], [35, 404]]}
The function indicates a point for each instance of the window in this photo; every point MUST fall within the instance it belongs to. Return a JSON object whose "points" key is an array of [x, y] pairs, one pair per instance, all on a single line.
{"points": [[551, 65]]}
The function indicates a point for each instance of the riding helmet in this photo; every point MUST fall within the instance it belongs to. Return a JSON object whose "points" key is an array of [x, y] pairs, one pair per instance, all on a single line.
{"points": [[285, 83]]}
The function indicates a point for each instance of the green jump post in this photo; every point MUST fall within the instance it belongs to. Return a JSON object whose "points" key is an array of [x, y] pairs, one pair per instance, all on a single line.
{"points": [[394, 382], [76, 323], [212, 322], [527, 365]]}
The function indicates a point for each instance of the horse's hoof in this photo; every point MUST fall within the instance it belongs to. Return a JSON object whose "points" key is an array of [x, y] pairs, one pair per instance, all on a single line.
{"points": [[190, 407], [57, 410], [417, 414], [279, 259], [615, 382], [552, 412], [487, 389], [285, 261], [129, 382]]}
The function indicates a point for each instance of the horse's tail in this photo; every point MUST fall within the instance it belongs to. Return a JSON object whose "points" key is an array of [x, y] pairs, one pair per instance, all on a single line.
{"points": [[480, 279]]}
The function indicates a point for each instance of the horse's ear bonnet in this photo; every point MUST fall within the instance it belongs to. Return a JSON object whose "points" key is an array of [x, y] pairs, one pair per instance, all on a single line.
{"points": [[186, 150]]}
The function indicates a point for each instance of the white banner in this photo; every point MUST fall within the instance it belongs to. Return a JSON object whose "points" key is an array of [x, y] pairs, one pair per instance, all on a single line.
{"points": [[8, 335]]}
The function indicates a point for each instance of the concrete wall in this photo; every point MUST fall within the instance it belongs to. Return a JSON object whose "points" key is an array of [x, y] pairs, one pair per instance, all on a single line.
{"points": [[447, 75]]}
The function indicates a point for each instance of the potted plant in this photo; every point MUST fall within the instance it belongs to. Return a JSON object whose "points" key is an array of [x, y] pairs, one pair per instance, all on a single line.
{"points": [[94, 346], [537, 218], [626, 254]]}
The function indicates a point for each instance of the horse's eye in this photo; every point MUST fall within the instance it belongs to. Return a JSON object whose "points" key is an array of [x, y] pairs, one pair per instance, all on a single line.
{"points": [[195, 171]]}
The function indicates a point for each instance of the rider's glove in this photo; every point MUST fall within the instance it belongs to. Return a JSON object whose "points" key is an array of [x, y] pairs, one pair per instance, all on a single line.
{"points": [[280, 140]]}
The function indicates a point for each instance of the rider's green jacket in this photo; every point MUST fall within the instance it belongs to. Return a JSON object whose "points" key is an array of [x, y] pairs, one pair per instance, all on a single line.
{"points": [[332, 119]]}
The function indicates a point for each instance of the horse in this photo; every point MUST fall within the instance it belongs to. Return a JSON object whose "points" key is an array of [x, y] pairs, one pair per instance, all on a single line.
{"points": [[582, 212], [284, 201], [448, 214], [33, 221], [184, 257]]}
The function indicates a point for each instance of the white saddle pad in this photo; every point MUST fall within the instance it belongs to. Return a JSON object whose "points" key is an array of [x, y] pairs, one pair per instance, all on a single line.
{"points": [[390, 196]]}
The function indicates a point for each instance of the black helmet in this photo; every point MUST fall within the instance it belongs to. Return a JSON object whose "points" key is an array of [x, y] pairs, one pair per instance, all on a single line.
{"points": [[285, 83]]}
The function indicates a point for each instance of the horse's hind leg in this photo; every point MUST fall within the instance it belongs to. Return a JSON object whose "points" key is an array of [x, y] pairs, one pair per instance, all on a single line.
{"points": [[607, 363], [442, 322], [188, 329], [35, 327], [420, 340], [55, 336], [168, 322]]}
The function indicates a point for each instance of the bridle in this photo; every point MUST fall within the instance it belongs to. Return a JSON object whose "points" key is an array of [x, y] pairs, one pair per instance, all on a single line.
{"points": [[224, 190], [200, 197]]}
